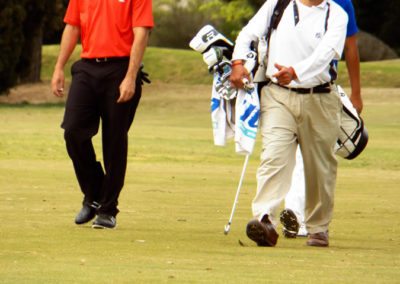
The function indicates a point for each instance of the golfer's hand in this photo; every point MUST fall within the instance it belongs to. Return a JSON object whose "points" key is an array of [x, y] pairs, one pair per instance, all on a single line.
{"points": [[57, 83], [357, 102], [284, 75], [237, 75], [127, 89]]}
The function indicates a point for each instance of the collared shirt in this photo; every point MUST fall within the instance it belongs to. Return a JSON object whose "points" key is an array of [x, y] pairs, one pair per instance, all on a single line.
{"points": [[305, 46], [107, 26]]}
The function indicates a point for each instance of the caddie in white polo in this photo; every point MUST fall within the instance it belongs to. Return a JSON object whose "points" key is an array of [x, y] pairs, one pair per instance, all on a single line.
{"points": [[300, 106]]}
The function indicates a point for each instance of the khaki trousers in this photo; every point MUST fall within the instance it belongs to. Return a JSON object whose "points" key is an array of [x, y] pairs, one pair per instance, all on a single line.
{"points": [[312, 121]]}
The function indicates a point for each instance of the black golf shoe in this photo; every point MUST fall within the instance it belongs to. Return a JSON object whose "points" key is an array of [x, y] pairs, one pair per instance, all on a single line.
{"points": [[290, 223], [104, 221], [86, 214], [262, 232]]}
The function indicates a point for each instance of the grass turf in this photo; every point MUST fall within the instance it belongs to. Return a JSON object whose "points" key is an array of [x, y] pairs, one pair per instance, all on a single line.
{"points": [[177, 198]]}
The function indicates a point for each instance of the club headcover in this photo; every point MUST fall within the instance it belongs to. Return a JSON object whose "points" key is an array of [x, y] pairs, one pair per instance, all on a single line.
{"points": [[208, 36]]}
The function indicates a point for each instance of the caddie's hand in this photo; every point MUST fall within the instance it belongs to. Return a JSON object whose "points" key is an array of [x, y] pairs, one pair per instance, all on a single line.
{"points": [[126, 89], [57, 83], [357, 102], [237, 75], [284, 75]]}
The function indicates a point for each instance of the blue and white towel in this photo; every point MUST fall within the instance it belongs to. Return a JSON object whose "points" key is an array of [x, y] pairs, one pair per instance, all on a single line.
{"points": [[238, 120], [247, 117]]}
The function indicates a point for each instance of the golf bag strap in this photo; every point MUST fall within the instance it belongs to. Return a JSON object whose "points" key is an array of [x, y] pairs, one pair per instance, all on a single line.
{"points": [[276, 16], [275, 19]]}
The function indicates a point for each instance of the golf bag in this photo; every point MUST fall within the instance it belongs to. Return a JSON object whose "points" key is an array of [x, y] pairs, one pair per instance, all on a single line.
{"points": [[234, 113]]}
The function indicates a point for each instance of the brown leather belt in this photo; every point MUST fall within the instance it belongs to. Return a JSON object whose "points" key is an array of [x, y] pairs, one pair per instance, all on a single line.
{"points": [[106, 59], [323, 88]]}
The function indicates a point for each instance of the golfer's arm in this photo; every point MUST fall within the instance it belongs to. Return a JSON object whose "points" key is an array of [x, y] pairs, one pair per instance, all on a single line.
{"points": [[69, 40], [353, 65], [141, 37]]}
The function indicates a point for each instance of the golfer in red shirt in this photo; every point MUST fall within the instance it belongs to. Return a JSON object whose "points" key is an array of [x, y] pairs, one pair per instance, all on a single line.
{"points": [[106, 87]]}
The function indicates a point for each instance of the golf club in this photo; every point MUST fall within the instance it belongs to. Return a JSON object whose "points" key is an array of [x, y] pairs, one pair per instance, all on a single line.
{"points": [[228, 226]]}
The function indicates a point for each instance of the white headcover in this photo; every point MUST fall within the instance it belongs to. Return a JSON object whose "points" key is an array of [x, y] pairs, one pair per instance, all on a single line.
{"points": [[213, 56], [208, 36]]}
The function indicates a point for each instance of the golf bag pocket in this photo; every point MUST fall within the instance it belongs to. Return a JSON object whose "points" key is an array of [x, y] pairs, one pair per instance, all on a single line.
{"points": [[260, 72]]}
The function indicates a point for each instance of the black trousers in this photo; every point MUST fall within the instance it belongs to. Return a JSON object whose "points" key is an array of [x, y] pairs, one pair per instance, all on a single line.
{"points": [[93, 98]]}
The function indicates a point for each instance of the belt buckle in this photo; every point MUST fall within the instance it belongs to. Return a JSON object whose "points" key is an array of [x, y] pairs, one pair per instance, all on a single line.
{"points": [[99, 60]]}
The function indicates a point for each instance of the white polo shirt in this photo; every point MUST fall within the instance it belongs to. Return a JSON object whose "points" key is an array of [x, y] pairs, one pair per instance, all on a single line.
{"points": [[306, 46]]}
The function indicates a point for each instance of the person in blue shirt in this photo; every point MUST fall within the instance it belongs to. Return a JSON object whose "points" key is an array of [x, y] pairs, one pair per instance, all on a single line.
{"points": [[351, 55], [292, 218]]}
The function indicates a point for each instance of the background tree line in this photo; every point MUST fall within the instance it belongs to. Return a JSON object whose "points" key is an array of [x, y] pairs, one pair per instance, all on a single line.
{"points": [[27, 24], [23, 25], [185, 17]]}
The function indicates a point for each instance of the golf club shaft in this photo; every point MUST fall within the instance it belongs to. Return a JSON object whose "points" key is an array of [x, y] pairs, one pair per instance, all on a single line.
{"points": [[238, 191]]}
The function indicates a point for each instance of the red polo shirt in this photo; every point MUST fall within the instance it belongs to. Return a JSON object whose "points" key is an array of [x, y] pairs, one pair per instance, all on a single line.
{"points": [[107, 25]]}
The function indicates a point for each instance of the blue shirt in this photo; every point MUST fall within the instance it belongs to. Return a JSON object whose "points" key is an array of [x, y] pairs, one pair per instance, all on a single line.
{"points": [[347, 5]]}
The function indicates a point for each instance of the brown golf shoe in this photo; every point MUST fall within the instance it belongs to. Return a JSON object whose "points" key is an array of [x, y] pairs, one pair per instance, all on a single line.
{"points": [[318, 239], [263, 233]]}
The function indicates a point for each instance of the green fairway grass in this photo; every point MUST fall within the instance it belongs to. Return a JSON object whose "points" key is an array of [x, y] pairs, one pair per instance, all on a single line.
{"points": [[177, 198]]}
